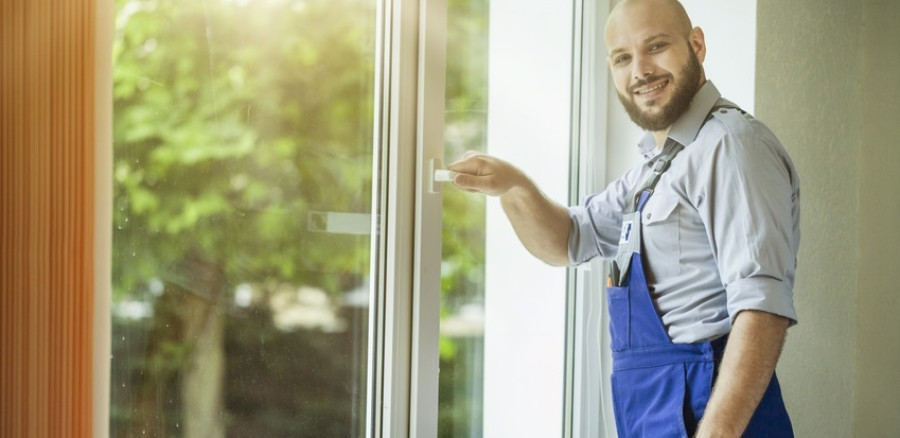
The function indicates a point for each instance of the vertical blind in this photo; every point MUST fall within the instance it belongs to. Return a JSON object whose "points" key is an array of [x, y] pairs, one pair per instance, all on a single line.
{"points": [[46, 217]]}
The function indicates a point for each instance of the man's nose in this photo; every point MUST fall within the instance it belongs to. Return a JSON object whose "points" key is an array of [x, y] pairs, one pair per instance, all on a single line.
{"points": [[641, 67]]}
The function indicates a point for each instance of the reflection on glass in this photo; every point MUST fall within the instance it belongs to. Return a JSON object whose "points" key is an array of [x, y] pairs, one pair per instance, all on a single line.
{"points": [[460, 395], [243, 172]]}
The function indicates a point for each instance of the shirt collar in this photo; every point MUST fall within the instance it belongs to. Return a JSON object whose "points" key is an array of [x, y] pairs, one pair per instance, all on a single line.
{"points": [[686, 128]]}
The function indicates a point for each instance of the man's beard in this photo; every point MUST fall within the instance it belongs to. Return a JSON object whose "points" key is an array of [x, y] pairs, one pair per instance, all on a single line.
{"points": [[681, 100]]}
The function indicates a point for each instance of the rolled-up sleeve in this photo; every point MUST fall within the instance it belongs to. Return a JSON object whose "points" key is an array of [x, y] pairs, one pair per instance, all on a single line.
{"points": [[596, 222], [749, 204]]}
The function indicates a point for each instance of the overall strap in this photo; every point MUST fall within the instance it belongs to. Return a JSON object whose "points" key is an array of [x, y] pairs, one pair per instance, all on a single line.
{"points": [[638, 197]]}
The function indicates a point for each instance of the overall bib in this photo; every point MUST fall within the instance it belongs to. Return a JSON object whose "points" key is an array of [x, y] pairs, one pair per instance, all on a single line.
{"points": [[660, 389]]}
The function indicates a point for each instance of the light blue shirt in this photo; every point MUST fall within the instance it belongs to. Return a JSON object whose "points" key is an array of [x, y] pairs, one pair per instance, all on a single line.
{"points": [[722, 229]]}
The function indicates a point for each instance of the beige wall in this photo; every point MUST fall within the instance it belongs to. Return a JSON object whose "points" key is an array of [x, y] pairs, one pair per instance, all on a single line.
{"points": [[877, 410], [827, 85]]}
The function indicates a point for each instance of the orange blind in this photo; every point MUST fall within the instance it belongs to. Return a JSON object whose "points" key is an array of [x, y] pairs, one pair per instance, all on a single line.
{"points": [[46, 217]]}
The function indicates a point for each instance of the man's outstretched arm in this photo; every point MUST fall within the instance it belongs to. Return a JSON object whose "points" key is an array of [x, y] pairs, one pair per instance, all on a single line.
{"points": [[541, 224]]}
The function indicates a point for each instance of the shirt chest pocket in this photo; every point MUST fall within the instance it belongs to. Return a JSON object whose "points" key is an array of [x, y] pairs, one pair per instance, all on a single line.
{"points": [[661, 235]]}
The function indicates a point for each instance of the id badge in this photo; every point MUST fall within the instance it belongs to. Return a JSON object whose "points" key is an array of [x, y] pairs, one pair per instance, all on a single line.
{"points": [[629, 244]]}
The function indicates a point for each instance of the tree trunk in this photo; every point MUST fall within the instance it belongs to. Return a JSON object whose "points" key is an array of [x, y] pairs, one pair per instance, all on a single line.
{"points": [[186, 345], [203, 374], [202, 377], [159, 369]]}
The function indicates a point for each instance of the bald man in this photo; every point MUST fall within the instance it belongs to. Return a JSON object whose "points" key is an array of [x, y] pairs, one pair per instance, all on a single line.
{"points": [[702, 233]]}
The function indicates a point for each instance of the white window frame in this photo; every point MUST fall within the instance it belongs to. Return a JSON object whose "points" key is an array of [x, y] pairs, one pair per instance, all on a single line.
{"points": [[103, 224], [587, 403], [409, 123]]}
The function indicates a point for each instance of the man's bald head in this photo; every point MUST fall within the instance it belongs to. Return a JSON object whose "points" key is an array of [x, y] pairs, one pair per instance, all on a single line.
{"points": [[671, 12]]}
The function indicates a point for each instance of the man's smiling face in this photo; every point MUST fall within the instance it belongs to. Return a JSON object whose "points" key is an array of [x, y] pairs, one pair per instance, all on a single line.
{"points": [[655, 59]]}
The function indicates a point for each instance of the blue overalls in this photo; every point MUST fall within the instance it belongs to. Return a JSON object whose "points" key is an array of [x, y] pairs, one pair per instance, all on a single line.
{"points": [[660, 389]]}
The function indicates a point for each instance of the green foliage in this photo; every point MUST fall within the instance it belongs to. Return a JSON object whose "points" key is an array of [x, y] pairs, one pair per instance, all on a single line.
{"points": [[233, 121]]}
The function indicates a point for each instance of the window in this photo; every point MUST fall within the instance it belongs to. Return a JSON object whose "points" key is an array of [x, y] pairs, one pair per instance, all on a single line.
{"points": [[276, 271], [243, 202]]}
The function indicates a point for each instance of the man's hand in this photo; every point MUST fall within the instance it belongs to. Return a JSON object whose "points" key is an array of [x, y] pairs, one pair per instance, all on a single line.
{"points": [[747, 367], [479, 173], [541, 224]]}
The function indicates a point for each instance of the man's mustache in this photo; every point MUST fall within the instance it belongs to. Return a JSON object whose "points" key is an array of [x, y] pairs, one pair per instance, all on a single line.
{"points": [[648, 80]]}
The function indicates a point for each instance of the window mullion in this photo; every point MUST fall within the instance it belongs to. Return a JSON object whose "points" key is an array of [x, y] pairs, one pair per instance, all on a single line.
{"points": [[409, 123]]}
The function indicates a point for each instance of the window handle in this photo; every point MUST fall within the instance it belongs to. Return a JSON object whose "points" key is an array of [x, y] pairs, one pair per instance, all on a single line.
{"points": [[444, 175], [439, 175]]}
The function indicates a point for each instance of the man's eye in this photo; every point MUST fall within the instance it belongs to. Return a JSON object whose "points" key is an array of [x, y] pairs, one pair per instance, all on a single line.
{"points": [[622, 59], [657, 46]]}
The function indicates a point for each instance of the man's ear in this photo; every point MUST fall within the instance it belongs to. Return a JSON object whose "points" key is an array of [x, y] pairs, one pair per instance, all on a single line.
{"points": [[698, 43]]}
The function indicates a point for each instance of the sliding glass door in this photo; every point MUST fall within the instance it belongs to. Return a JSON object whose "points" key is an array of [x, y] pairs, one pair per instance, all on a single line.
{"points": [[285, 264]]}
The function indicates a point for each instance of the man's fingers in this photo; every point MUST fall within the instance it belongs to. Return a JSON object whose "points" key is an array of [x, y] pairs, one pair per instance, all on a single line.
{"points": [[475, 163], [465, 181], [468, 182], [471, 164], [476, 183]]}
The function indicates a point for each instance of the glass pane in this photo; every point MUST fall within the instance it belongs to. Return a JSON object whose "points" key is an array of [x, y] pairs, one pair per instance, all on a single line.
{"points": [[460, 395], [243, 201]]}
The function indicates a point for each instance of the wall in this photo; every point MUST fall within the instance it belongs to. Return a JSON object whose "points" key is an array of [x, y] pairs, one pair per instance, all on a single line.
{"points": [[811, 99], [825, 70], [877, 410]]}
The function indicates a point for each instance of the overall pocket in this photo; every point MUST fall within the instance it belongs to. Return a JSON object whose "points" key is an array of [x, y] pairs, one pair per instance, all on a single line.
{"points": [[619, 316], [649, 402]]}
